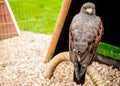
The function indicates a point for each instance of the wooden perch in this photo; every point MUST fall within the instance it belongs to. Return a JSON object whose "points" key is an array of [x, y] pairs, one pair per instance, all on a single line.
{"points": [[64, 56]]}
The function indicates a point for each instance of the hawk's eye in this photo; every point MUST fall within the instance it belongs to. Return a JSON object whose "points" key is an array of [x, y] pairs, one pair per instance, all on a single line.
{"points": [[78, 52]]}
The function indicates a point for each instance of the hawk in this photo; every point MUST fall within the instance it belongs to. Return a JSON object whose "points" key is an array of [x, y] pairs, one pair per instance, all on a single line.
{"points": [[85, 32]]}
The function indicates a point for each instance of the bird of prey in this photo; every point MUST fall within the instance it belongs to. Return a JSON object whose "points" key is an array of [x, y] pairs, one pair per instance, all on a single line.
{"points": [[85, 32]]}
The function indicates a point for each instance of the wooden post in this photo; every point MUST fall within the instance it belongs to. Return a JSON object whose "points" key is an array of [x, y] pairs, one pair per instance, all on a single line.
{"points": [[58, 29]]}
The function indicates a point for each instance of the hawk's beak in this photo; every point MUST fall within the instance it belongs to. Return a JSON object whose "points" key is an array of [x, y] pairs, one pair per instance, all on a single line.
{"points": [[89, 10]]}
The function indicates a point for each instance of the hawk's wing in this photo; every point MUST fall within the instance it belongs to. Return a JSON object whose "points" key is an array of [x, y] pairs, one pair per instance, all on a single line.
{"points": [[91, 52]]}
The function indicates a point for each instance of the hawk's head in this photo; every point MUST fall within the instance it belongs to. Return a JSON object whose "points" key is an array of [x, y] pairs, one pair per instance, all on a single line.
{"points": [[88, 8]]}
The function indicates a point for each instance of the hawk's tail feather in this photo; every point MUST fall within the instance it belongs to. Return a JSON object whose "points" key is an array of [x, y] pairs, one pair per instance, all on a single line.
{"points": [[79, 75]]}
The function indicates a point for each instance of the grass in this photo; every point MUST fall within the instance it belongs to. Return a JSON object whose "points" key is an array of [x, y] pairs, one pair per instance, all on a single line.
{"points": [[36, 15], [109, 50]]}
